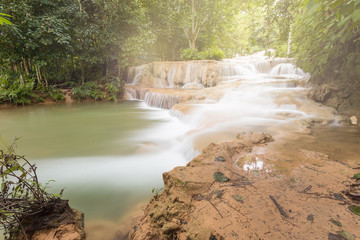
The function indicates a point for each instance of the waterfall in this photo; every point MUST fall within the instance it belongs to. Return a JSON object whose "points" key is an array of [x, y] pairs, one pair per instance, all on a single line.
{"points": [[160, 100], [286, 69], [231, 70]]}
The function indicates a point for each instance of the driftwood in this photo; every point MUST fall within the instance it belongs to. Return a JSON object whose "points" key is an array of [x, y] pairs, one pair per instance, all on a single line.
{"points": [[306, 189], [281, 210]]}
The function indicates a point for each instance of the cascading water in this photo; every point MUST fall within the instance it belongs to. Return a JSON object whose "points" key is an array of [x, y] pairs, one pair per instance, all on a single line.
{"points": [[256, 94]]}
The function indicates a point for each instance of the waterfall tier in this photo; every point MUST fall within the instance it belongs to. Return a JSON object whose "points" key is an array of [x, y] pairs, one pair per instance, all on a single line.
{"points": [[204, 72]]}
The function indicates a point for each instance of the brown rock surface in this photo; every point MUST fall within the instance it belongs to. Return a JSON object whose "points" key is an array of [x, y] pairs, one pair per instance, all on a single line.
{"points": [[263, 202], [72, 231]]}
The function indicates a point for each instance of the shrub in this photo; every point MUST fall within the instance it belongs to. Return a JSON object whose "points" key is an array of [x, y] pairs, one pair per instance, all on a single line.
{"points": [[18, 94], [189, 54], [114, 89], [25, 206], [214, 53], [56, 94]]}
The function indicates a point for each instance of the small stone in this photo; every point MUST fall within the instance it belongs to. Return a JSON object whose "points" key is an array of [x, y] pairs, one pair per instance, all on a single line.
{"points": [[310, 218], [212, 237], [220, 159], [354, 120], [220, 177], [198, 197]]}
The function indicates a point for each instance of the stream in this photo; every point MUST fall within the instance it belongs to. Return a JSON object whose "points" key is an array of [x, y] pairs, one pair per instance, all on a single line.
{"points": [[109, 156]]}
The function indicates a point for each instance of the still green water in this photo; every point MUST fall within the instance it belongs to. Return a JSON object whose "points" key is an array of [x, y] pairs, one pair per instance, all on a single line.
{"points": [[92, 129], [107, 156]]}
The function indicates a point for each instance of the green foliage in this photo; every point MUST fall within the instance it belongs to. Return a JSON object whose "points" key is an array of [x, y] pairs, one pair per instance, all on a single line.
{"points": [[22, 197], [189, 54], [17, 93], [83, 92], [156, 192], [4, 20], [56, 94], [98, 95], [210, 53], [54, 42], [355, 209], [327, 40], [114, 89], [214, 53]]}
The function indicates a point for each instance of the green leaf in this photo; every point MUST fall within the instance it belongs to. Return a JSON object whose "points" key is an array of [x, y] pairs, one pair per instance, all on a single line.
{"points": [[3, 20], [344, 21], [7, 15], [357, 175], [355, 209], [346, 235], [337, 223], [220, 177], [238, 198], [355, 16]]}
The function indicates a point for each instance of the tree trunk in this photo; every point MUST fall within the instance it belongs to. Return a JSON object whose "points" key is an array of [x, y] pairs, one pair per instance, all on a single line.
{"points": [[26, 66], [21, 75], [82, 73], [289, 42], [37, 74], [193, 27], [46, 80], [80, 5]]}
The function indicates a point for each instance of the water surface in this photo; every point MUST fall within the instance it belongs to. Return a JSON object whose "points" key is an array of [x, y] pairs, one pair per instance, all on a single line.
{"points": [[107, 156]]}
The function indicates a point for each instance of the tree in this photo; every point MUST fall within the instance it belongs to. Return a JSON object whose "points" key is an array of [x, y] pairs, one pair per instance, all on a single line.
{"points": [[195, 16], [327, 36]]}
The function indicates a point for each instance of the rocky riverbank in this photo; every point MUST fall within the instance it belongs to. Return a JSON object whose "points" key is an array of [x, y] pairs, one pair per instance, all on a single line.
{"points": [[242, 190], [343, 96]]}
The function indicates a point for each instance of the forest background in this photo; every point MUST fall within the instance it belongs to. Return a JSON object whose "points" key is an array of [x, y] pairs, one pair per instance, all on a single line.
{"points": [[87, 45]]}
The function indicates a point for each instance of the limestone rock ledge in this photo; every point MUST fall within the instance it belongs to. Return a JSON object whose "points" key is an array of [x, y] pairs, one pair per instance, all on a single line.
{"points": [[214, 197], [73, 230]]}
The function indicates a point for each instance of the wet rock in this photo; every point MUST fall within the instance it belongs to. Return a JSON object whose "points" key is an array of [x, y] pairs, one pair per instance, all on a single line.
{"points": [[354, 120], [220, 177], [320, 94], [220, 159], [192, 85], [255, 138], [311, 155]]}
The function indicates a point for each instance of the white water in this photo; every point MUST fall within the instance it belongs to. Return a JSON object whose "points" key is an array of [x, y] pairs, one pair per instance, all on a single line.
{"points": [[260, 95]]}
